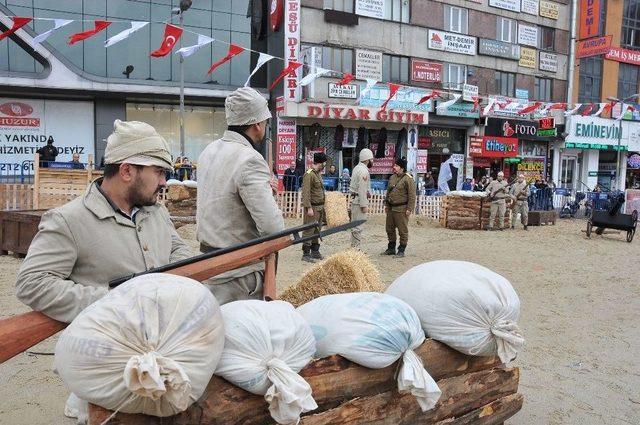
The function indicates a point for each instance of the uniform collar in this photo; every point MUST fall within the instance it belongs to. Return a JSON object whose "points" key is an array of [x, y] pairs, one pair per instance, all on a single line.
{"points": [[232, 136], [102, 207]]}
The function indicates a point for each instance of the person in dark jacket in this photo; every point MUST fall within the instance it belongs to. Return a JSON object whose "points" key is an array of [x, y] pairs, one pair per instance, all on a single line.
{"points": [[75, 162], [48, 153], [429, 182], [290, 179]]}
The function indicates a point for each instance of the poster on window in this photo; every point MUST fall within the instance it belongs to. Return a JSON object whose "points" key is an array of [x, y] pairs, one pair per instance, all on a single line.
{"points": [[368, 65], [384, 165], [512, 5], [528, 35], [530, 6], [370, 8], [422, 161], [532, 168], [26, 125], [285, 146]]}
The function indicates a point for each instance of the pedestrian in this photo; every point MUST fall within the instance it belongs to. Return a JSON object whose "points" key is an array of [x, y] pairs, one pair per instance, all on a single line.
{"points": [[345, 181], [360, 192], [467, 184], [75, 162], [400, 203], [497, 190], [429, 182], [520, 193], [48, 153], [236, 193], [480, 185], [290, 178], [313, 204]]}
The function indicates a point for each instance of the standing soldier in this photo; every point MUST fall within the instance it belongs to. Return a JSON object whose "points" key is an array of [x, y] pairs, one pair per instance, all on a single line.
{"points": [[399, 204], [520, 192], [497, 190], [313, 203], [360, 189]]}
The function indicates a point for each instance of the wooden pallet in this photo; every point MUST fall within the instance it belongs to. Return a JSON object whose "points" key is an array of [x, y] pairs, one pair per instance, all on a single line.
{"points": [[475, 390], [540, 218], [17, 230]]}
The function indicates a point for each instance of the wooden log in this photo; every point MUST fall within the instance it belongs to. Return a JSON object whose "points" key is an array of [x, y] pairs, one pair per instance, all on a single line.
{"points": [[13, 338], [460, 395], [494, 413], [333, 380]]}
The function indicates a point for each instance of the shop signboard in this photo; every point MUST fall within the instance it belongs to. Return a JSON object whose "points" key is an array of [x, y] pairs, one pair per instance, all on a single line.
{"points": [[345, 91], [285, 145], [445, 140], [623, 55], [452, 42], [469, 92], [532, 168], [27, 124], [528, 35], [498, 49], [589, 18], [522, 94], [460, 109], [406, 98], [531, 7], [368, 65], [499, 147], [475, 145], [422, 161], [426, 72], [548, 62], [355, 113], [384, 165], [292, 48], [593, 46], [522, 129], [598, 146], [527, 58], [370, 8], [631, 201], [512, 5], [549, 9], [596, 133]]}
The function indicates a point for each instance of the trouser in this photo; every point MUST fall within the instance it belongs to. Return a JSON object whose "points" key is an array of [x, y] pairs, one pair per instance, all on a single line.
{"points": [[318, 215], [356, 232], [397, 220], [247, 287], [521, 207], [498, 207]]}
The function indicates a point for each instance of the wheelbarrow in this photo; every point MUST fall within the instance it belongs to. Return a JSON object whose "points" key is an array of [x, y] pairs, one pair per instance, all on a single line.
{"points": [[613, 219]]}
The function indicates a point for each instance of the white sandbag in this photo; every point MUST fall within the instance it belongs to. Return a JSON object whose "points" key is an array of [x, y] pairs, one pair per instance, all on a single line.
{"points": [[373, 330], [464, 305], [173, 182], [190, 183], [267, 344], [149, 346]]}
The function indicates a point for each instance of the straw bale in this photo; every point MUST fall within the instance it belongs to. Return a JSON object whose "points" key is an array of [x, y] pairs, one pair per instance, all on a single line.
{"points": [[335, 207], [178, 192], [344, 272]]}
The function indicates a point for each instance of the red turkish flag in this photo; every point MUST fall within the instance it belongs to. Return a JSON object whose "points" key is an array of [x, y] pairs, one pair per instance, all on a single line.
{"points": [[558, 106], [476, 102], [346, 80], [393, 89], [433, 95], [588, 110], [609, 106], [98, 26], [171, 36], [233, 51], [18, 23], [290, 69], [529, 109]]}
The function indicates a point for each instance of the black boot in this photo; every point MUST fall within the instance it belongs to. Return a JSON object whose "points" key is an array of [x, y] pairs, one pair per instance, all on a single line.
{"points": [[391, 249], [526, 227], [401, 249], [306, 255], [315, 252]]}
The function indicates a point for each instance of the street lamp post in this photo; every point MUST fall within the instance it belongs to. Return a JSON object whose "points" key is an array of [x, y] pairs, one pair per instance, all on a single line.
{"points": [[184, 6], [622, 111]]}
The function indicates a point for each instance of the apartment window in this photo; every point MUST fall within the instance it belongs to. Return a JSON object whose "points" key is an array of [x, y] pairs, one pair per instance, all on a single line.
{"points": [[396, 10], [337, 59], [339, 5], [590, 80], [631, 24], [454, 76], [542, 89], [627, 80], [395, 69], [505, 83], [456, 19], [507, 30], [547, 38]]}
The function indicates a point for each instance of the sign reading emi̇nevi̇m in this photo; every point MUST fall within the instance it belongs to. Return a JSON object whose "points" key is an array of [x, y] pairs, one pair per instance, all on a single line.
{"points": [[513, 5], [450, 42], [499, 49], [370, 8]]}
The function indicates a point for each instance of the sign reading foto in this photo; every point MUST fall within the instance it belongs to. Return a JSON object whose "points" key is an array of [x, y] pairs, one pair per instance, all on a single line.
{"points": [[548, 62], [368, 65], [426, 72], [370, 8], [451, 42], [347, 91]]}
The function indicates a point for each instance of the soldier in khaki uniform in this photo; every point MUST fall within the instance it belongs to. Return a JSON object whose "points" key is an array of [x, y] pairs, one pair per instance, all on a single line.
{"points": [[360, 190], [313, 203], [498, 192], [399, 204], [520, 192]]}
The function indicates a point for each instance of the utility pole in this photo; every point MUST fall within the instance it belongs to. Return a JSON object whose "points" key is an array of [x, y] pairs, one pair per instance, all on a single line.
{"points": [[184, 6]]}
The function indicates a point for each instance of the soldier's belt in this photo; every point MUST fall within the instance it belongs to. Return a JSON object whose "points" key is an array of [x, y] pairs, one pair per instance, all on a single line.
{"points": [[397, 205], [317, 205]]}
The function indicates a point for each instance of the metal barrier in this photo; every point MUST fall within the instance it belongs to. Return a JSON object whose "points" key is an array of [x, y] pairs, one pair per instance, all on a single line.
{"points": [[17, 173]]}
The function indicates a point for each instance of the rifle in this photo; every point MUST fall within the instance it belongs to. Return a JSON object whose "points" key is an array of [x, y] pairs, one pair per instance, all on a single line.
{"points": [[21, 332]]}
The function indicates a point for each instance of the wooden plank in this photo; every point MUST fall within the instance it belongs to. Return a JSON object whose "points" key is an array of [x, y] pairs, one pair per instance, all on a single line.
{"points": [[269, 285], [13, 336], [494, 413]]}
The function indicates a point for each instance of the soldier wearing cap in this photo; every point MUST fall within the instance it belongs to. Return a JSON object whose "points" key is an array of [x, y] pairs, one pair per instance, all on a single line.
{"points": [[520, 193], [360, 189], [115, 229], [400, 202], [313, 203], [498, 192], [235, 193]]}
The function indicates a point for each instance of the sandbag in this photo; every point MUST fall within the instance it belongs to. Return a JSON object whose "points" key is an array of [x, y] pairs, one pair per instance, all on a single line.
{"points": [[373, 330], [149, 346], [464, 305], [267, 344]]}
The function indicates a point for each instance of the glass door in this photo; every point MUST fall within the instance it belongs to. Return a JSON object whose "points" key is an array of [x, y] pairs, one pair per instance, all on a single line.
{"points": [[568, 172]]}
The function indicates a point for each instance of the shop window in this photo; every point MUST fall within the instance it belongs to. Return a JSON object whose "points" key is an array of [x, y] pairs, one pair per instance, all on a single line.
{"points": [[627, 80], [339, 5], [542, 89], [631, 24], [337, 59], [456, 19], [505, 83], [590, 80], [507, 30], [547, 37], [454, 77], [395, 69]]}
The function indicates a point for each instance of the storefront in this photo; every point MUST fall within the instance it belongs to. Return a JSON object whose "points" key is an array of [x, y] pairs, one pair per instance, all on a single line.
{"points": [[492, 154], [633, 170]]}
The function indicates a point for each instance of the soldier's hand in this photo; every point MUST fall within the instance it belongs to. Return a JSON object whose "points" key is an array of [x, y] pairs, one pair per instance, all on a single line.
{"points": [[408, 213], [310, 212], [274, 184], [364, 210]]}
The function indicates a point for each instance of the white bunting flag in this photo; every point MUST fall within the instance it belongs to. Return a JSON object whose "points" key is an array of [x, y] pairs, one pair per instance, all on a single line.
{"points": [[135, 26], [203, 40], [264, 58], [574, 110], [59, 23], [602, 105], [370, 83], [489, 107], [448, 103], [316, 72]]}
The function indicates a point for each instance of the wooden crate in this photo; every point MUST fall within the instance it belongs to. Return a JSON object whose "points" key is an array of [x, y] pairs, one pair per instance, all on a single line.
{"points": [[472, 388], [539, 218], [14, 196], [17, 230]]}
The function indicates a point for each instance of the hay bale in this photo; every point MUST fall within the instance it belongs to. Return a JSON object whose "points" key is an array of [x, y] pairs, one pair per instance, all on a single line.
{"points": [[335, 207], [178, 192], [347, 271]]}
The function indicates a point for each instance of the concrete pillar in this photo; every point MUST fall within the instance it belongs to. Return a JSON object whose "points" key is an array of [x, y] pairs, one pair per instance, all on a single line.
{"points": [[590, 159]]}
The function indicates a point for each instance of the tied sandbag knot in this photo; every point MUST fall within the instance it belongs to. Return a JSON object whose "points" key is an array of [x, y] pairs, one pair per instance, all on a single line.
{"points": [[289, 396], [414, 378], [509, 339]]}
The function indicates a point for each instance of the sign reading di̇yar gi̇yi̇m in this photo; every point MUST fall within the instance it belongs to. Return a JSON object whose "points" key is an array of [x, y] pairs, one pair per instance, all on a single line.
{"points": [[451, 42]]}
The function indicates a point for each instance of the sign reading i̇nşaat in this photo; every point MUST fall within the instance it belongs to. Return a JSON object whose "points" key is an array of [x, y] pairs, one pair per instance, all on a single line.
{"points": [[589, 18]]}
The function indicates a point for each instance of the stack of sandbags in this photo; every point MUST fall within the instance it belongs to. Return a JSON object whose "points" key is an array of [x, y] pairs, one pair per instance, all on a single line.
{"points": [[486, 211], [335, 208], [149, 346], [373, 330], [461, 210], [464, 305], [347, 271], [181, 203], [267, 344]]}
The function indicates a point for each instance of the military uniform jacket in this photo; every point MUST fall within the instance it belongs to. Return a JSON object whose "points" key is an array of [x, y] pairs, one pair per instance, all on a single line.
{"points": [[401, 193], [520, 191], [360, 186], [312, 190], [498, 188]]}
